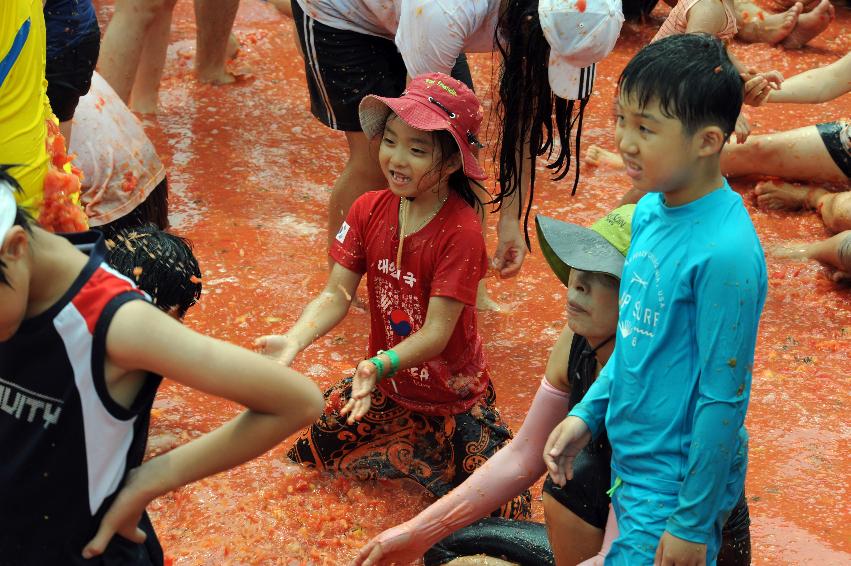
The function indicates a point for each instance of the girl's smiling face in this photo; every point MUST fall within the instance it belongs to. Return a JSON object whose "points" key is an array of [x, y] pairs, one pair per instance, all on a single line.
{"points": [[411, 160]]}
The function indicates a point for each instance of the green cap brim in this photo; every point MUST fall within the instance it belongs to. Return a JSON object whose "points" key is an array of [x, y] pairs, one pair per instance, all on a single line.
{"points": [[568, 246]]}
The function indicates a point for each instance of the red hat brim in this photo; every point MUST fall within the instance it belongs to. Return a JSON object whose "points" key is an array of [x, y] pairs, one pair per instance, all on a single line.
{"points": [[421, 115]]}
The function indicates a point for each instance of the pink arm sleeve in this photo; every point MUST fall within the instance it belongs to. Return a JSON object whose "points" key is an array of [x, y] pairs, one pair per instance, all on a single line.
{"points": [[505, 475]]}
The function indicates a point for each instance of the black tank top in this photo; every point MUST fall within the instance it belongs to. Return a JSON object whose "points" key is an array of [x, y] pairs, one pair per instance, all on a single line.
{"points": [[581, 373], [67, 446]]}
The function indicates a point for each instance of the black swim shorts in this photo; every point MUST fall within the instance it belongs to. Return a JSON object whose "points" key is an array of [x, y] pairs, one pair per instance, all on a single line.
{"points": [[344, 66], [69, 75], [837, 139]]}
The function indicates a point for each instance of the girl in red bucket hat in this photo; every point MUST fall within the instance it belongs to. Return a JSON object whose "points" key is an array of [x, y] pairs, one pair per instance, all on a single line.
{"points": [[421, 406]]}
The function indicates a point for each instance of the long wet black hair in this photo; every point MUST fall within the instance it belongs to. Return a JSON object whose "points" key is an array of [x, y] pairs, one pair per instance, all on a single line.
{"points": [[527, 106]]}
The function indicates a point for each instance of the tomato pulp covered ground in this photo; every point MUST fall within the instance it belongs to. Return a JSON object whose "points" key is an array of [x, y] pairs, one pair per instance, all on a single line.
{"points": [[250, 172]]}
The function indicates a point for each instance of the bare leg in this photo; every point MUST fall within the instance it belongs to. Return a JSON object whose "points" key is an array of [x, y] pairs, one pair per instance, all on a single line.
{"points": [[65, 130], [360, 175], [145, 94], [794, 154], [285, 7], [810, 25], [121, 47], [572, 539], [596, 156], [834, 252], [758, 26], [834, 208], [213, 20]]}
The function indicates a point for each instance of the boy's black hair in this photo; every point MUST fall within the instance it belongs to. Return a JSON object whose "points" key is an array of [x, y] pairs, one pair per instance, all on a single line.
{"points": [[22, 217], [527, 105], [691, 76], [161, 264]]}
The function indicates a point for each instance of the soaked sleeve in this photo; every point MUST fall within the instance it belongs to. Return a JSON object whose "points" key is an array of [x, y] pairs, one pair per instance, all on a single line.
{"points": [[461, 263], [592, 408], [727, 291], [431, 34], [349, 249]]}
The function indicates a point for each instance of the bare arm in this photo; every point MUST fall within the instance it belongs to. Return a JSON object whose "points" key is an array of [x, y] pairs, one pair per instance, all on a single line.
{"points": [[319, 316], [816, 85], [511, 248], [707, 16], [423, 345], [279, 402]]}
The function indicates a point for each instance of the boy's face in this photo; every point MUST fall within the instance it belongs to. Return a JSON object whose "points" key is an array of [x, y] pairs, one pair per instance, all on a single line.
{"points": [[592, 304], [14, 295], [658, 153], [410, 159]]}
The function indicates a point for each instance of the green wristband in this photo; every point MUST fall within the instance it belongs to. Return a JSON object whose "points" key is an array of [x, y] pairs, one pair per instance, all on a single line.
{"points": [[394, 361], [379, 365]]}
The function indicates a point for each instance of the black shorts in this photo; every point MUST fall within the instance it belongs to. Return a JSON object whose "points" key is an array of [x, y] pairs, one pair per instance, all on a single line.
{"points": [[69, 75], [585, 495], [838, 144], [344, 66]]}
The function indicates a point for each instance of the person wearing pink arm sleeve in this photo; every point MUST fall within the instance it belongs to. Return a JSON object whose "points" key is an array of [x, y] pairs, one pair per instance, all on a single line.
{"points": [[580, 524], [580, 352]]}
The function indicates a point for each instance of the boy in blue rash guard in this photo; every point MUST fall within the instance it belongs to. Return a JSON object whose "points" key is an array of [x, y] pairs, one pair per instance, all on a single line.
{"points": [[675, 391]]}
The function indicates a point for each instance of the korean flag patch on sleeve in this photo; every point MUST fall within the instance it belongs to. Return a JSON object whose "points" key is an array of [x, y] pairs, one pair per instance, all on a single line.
{"points": [[341, 235]]}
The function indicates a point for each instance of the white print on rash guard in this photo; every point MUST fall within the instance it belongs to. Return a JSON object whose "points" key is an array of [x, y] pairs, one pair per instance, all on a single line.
{"points": [[642, 301]]}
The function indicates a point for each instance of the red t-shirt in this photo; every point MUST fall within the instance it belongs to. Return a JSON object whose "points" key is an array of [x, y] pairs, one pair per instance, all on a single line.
{"points": [[445, 258]]}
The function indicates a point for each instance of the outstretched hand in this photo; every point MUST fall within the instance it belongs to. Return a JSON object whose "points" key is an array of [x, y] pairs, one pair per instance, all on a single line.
{"points": [[124, 515], [279, 347], [564, 443], [364, 381], [393, 546]]}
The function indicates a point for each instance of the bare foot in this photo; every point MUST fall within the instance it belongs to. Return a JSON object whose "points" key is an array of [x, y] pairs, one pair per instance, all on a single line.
{"points": [[146, 105], [778, 195], [484, 302], [786, 4], [233, 47], [283, 6], [791, 250], [774, 28], [215, 76], [596, 156], [810, 25]]}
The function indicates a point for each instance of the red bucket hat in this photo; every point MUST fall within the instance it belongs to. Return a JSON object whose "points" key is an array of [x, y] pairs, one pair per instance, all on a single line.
{"points": [[432, 103]]}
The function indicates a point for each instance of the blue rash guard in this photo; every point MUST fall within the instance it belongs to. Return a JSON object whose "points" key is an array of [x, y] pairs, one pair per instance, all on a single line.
{"points": [[675, 391]]}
